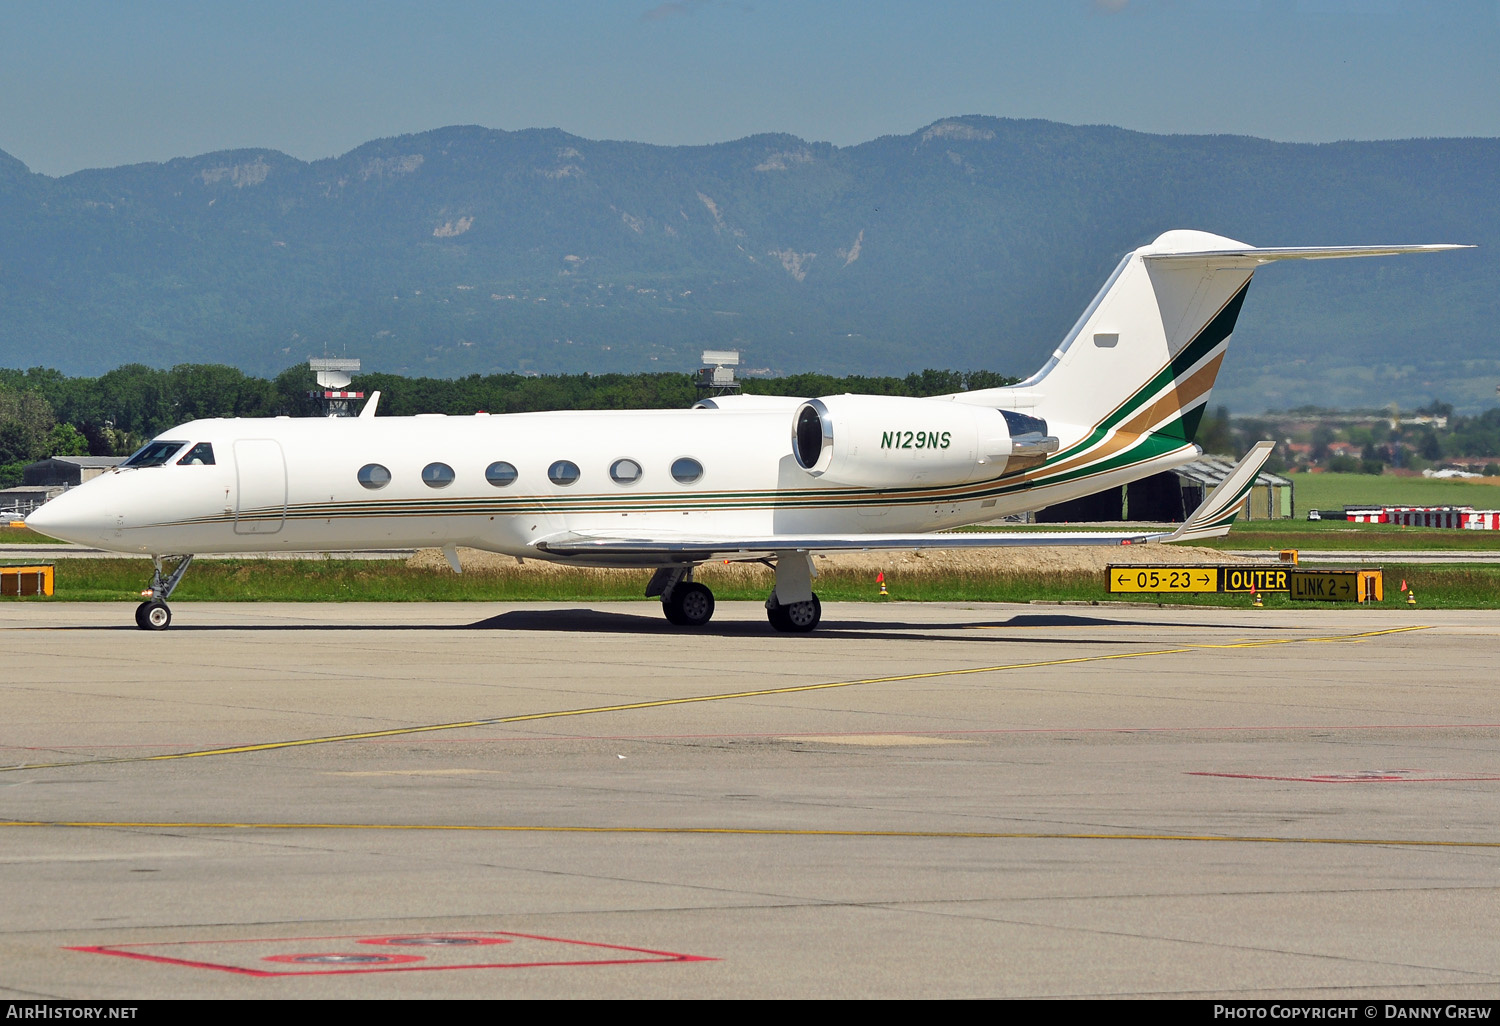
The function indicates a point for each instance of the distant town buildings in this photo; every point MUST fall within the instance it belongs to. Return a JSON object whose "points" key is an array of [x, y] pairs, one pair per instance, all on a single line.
{"points": [[1465, 518]]}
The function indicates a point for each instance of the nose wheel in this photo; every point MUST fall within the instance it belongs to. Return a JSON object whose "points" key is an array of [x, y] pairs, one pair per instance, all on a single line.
{"points": [[153, 614]]}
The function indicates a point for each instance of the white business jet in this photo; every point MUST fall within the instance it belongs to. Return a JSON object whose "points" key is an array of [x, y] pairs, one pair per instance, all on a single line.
{"points": [[743, 478]]}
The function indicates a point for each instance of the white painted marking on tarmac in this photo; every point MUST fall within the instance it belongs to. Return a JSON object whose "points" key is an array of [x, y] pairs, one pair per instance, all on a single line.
{"points": [[875, 740], [407, 773]]}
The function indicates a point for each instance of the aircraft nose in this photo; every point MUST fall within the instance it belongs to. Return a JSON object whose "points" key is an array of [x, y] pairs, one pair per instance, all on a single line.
{"points": [[67, 518], [41, 519]]}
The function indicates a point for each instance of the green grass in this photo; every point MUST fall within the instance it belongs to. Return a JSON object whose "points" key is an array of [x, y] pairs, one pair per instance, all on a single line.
{"points": [[1320, 534], [1334, 491], [283, 580], [23, 536], [1340, 534]]}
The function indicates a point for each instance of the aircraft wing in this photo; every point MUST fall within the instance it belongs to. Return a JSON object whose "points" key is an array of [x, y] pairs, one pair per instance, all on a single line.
{"points": [[1211, 519], [687, 548]]}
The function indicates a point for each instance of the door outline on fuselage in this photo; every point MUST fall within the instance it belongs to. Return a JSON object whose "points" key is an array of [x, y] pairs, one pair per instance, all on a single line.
{"points": [[260, 484]]}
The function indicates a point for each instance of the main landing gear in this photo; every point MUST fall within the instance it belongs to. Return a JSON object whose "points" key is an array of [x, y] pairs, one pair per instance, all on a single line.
{"points": [[793, 608], [685, 602], [154, 614], [795, 617], [691, 605]]}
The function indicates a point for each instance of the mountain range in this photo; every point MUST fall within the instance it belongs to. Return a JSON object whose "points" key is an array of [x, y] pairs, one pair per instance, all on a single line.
{"points": [[972, 243]]}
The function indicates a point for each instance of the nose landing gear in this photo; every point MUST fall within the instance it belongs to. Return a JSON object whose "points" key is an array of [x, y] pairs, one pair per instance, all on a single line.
{"points": [[154, 614]]}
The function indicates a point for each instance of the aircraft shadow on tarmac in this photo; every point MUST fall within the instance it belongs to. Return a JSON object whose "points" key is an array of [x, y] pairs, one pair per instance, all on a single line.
{"points": [[584, 620]]}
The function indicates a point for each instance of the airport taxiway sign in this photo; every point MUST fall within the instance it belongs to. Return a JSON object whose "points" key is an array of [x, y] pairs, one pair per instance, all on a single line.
{"points": [[1325, 585], [1163, 578], [1250, 579], [1225, 579]]}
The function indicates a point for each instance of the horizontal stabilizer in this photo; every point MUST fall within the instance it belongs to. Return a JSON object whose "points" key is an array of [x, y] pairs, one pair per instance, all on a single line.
{"points": [[1250, 256]]}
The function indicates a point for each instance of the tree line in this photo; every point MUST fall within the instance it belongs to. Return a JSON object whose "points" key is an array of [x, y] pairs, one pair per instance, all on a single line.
{"points": [[44, 413]]}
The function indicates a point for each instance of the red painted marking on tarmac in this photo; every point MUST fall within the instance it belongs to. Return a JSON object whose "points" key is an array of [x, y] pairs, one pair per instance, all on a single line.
{"points": [[345, 963], [1366, 777]]}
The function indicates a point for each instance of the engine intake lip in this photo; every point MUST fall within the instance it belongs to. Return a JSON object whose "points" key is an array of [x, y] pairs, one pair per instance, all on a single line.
{"points": [[812, 436]]}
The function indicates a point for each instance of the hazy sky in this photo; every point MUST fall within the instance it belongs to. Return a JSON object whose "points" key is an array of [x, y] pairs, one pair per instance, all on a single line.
{"points": [[93, 84]]}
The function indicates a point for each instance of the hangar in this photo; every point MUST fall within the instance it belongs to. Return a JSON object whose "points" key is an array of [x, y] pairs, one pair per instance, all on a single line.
{"points": [[1168, 497]]}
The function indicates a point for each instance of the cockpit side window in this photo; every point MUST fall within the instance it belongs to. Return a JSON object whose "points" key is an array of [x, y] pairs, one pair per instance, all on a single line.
{"points": [[202, 453], [153, 454]]}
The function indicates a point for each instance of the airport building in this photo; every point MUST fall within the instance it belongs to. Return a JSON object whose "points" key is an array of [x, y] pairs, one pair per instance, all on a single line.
{"points": [[48, 478], [67, 471]]}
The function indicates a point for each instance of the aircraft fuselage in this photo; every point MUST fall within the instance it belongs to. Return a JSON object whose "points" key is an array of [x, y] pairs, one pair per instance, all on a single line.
{"points": [[288, 484]]}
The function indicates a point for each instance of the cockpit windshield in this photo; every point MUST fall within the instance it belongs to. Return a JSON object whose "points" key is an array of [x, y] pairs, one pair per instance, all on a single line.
{"points": [[203, 452], [153, 454]]}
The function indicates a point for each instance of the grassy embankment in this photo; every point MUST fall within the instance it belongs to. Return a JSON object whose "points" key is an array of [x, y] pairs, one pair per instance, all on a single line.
{"points": [[334, 580], [1327, 534], [22, 536], [1334, 491]]}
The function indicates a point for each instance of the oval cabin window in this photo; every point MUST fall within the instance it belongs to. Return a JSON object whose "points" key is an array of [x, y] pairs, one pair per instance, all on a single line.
{"points": [[373, 475], [563, 472], [500, 474], [625, 471], [437, 475], [686, 470]]}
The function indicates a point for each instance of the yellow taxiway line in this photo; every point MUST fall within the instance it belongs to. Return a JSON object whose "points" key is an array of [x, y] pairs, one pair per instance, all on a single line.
{"points": [[661, 703], [1028, 835]]}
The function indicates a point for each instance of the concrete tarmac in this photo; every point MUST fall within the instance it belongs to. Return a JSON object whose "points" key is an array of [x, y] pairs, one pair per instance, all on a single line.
{"points": [[919, 800]]}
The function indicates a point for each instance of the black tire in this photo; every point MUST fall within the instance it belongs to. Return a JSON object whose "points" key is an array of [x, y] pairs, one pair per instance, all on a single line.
{"points": [[692, 605], [779, 619], [797, 617], [153, 616], [673, 613], [804, 616]]}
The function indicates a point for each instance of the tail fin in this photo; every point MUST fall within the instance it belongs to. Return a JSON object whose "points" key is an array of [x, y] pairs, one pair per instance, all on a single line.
{"points": [[1143, 357], [1125, 391], [1215, 515]]}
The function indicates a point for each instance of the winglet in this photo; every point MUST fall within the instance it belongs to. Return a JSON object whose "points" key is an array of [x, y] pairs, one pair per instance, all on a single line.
{"points": [[1214, 517], [369, 408]]}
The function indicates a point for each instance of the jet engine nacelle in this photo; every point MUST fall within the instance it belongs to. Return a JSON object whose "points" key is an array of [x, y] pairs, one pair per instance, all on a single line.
{"points": [[873, 441]]}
